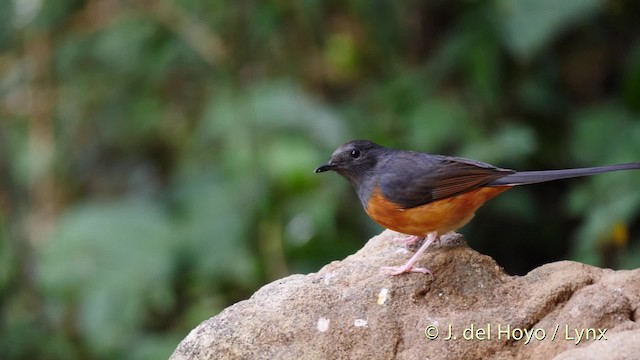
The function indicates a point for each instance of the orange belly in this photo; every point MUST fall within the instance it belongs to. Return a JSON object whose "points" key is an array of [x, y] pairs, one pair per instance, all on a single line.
{"points": [[441, 215]]}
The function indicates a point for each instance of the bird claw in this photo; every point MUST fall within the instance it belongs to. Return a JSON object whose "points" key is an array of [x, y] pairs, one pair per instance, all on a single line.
{"points": [[408, 240]]}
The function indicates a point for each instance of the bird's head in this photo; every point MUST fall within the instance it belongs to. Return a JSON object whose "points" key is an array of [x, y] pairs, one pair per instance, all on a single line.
{"points": [[354, 159]]}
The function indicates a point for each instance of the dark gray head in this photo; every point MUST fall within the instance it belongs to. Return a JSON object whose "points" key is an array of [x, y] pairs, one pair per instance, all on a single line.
{"points": [[354, 160]]}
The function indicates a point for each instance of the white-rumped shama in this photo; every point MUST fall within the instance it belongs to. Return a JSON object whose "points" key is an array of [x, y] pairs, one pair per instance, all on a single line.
{"points": [[425, 195]]}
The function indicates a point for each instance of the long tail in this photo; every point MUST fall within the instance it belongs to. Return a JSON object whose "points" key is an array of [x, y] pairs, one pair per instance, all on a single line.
{"points": [[532, 177]]}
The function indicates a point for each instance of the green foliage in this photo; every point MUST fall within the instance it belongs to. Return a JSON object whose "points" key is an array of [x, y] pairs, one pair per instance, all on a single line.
{"points": [[156, 158], [611, 199], [97, 260], [6, 9], [631, 80], [529, 25]]}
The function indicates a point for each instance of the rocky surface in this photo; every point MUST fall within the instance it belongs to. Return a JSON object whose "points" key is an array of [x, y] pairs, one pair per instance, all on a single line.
{"points": [[349, 310]]}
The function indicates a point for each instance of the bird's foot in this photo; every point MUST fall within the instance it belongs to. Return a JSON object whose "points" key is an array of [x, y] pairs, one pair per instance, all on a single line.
{"points": [[408, 266], [397, 270], [408, 240]]}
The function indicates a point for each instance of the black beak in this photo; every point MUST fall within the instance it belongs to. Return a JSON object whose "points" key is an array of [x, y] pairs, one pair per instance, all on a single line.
{"points": [[325, 167]]}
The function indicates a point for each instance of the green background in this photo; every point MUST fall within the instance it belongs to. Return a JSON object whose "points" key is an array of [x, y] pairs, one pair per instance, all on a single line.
{"points": [[157, 157]]}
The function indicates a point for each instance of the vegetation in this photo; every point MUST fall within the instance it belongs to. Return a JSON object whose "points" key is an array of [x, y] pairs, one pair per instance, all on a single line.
{"points": [[156, 157]]}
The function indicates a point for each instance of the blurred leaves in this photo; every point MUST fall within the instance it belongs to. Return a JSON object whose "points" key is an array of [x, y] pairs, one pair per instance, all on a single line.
{"points": [[608, 199], [605, 133], [266, 139], [631, 79], [437, 123], [507, 144], [97, 260], [170, 145], [212, 236], [529, 25], [279, 106], [6, 9], [52, 14]]}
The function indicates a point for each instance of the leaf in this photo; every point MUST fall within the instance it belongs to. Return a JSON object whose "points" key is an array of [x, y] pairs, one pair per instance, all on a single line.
{"points": [[631, 79], [114, 260], [122, 48], [528, 25], [214, 225], [511, 142], [271, 107], [605, 133], [438, 122], [599, 222], [289, 162], [10, 19]]}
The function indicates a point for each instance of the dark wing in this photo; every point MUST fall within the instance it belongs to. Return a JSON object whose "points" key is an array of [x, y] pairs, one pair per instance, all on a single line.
{"points": [[412, 179]]}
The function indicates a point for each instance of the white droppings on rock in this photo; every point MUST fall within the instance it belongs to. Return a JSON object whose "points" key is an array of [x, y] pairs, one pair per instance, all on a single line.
{"points": [[323, 324], [575, 312], [360, 322], [383, 296], [327, 278]]}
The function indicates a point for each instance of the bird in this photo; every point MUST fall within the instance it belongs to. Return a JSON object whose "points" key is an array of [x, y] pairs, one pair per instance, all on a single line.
{"points": [[425, 195]]}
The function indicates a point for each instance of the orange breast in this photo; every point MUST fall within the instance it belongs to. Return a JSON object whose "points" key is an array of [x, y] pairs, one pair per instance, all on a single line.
{"points": [[441, 215]]}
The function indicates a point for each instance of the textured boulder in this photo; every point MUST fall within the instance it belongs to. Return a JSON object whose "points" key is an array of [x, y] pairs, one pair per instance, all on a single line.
{"points": [[470, 309]]}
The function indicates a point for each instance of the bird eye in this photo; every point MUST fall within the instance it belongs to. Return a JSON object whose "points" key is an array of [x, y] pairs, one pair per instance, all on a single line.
{"points": [[355, 153]]}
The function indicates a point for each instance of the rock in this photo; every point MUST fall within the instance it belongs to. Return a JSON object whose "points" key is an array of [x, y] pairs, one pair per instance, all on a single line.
{"points": [[349, 310]]}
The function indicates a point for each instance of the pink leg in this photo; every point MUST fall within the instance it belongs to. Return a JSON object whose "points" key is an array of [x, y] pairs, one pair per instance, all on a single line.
{"points": [[408, 267], [407, 240]]}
